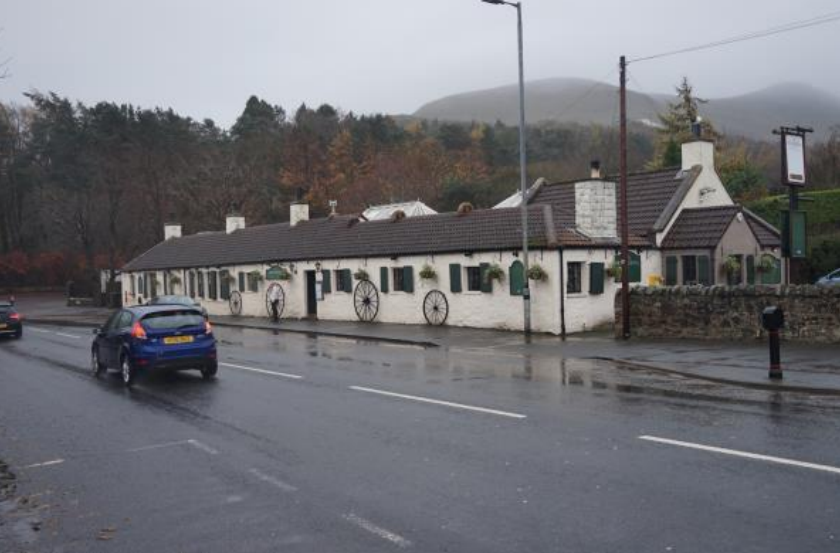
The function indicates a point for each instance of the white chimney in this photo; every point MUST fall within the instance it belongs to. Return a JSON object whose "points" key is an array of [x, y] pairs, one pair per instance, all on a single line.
{"points": [[595, 213], [698, 152], [595, 170], [299, 211], [234, 223], [171, 230]]}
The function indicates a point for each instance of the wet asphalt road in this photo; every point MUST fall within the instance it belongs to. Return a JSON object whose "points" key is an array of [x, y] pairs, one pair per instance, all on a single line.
{"points": [[312, 451]]}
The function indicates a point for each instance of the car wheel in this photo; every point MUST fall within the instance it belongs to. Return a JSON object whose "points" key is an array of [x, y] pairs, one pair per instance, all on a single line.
{"points": [[96, 365], [208, 372], [127, 371]]}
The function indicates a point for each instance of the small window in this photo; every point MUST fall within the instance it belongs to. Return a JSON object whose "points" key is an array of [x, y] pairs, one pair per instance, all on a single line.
{"points": [[399, 279], [573, 277], [253, 282], [671, 270], [736, 277], [191, 282], [225, 279], [339, 282], [689, 270], [241, 283], [474, 279], [212, 285], [750, 269]]}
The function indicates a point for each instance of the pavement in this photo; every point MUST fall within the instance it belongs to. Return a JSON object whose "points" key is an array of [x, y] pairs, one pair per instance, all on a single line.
{"points": [[808, 368], [326, 444]]}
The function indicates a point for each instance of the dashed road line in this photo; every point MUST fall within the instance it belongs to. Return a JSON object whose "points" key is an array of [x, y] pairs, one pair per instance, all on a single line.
{"points": [[367, 525], [276, 482], [261, 371], [439, 402], [44, 464], [41, 330], [158, 446], [74, 336], [745, 454], [203, 447]]}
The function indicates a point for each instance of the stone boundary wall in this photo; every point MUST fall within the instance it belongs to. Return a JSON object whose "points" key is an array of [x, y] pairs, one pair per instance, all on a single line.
{"points": [[812, 313]]}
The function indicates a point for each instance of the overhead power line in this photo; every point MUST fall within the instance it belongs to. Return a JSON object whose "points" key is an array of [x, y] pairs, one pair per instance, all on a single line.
{"points": [[788, 27]]}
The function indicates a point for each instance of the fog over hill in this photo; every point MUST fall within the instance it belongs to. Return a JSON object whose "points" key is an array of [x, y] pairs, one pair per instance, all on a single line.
{"points": [[569, 100]]}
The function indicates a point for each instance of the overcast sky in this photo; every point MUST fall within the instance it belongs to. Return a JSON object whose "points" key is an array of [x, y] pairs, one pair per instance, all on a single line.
{"points": [[204, 58]]}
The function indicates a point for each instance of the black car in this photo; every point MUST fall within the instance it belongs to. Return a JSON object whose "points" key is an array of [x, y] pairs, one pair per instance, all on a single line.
{"points": [[175, 299], [11, 323], [142, 339]]}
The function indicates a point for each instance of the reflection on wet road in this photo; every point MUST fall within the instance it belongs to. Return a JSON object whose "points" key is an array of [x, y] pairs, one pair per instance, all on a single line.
{"points": [[331, 444]]}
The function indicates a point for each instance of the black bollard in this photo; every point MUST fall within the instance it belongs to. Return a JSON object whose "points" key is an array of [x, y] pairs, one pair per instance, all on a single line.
{"points": [[773, 319]]}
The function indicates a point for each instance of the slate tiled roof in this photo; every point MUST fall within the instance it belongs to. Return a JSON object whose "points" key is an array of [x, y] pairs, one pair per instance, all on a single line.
{"points": [[650, 194], [345, 237], [700, 228], [703, 228], [766, 234]]}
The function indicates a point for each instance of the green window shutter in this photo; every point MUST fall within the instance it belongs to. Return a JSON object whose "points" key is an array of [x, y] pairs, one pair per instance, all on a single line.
{"points": [[635, 267], [596, 278], [750, 269], [347, 280], [326, 284], [408, 279], [455, 278], [517, 278], [704, 276], [671, 270], [383, 279], [241, 281], [486, 283]]}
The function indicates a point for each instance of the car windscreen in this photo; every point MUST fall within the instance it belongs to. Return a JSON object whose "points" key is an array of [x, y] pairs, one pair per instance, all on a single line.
{"points": [[170, 320]]}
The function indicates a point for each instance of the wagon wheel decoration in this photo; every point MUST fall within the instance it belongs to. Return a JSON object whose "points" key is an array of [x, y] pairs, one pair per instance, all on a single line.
{"points": [[275, 288], [235, 303], [366, 301], [435, 308]]}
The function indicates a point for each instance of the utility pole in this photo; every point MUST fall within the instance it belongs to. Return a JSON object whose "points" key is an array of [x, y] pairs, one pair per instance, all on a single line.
{"points": [[523, 163], [625, 234]]}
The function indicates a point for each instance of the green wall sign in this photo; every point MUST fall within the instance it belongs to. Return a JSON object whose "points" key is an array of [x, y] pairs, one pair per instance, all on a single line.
{"points": [[274, 273]]}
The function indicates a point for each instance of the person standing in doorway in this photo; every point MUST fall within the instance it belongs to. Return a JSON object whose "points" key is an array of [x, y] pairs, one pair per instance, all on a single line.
{"points": [[274, 299]]}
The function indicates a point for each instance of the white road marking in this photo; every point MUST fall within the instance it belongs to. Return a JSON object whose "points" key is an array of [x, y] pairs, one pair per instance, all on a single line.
{"points": [[276, 482], [203, 447], [41, 330], [746, 454], [74, 336], [439, 402], [157, 446], [45, 464], [261, 371], [365, 524]]}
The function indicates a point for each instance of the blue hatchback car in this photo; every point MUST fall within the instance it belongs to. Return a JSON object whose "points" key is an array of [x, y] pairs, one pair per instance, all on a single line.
{"points": [[138, 340]]}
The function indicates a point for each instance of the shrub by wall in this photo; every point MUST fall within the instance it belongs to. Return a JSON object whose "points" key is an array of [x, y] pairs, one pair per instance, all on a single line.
{"points": [[812, 313]]}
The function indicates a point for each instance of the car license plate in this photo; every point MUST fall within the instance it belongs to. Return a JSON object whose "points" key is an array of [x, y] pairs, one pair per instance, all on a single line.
{"points": [[177, 339], [3, 325]]}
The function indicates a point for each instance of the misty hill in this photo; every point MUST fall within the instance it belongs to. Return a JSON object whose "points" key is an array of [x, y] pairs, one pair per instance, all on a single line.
{"points": [[567, 100]]}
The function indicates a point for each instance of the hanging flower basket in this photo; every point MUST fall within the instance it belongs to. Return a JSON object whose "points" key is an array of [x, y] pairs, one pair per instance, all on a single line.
{"points": [[536, 272], [256, 275], [361, 274], [428, 272], [766, 264], [732, 265], [495, 272], [614, 270]]}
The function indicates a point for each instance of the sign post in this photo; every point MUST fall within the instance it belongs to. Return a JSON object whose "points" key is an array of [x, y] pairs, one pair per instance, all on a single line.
{"points": [[794, 176]]}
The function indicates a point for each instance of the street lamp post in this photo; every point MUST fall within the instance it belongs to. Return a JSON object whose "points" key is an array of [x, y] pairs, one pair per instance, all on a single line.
{"points": [[526, 291]]}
